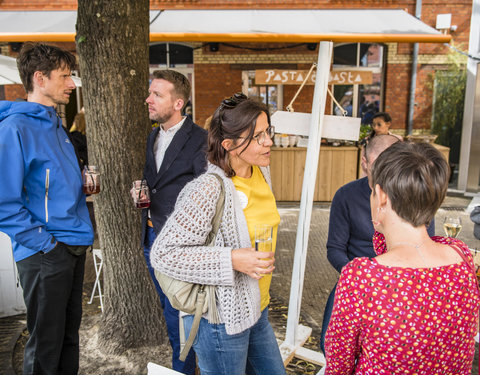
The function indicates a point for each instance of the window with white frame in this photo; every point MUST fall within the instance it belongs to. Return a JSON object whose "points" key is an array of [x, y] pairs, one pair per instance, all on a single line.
{"points": [[359, 100], [271, 95]]}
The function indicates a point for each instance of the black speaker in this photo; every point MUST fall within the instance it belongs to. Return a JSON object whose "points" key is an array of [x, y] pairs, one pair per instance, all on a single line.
{"points": [[15, 46], [311, 46], [214, 47]]}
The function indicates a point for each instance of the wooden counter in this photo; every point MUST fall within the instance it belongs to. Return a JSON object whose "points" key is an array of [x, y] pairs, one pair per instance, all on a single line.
{"points": [[337, 166], [445, 151]]}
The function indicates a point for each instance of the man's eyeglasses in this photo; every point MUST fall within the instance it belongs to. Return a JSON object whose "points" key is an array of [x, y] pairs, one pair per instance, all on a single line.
{"points": [[261, 137]]}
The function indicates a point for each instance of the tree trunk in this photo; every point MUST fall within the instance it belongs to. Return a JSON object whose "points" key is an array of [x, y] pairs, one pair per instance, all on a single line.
{"points": [[112, 42]]}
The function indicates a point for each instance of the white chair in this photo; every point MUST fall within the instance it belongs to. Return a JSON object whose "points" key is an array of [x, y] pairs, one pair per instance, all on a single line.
{"points": [[154, 369], [97, 254]]}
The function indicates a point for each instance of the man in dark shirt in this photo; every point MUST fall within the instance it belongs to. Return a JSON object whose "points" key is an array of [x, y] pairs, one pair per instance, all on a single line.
{"points": [[350, 228]]}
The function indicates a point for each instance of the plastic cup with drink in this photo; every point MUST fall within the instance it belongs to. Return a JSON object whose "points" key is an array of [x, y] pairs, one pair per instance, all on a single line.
{"points": [[140, 194], [91, 179]]}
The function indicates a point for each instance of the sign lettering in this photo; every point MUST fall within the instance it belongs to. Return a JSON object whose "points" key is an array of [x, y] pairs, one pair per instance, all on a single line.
{"points": [[296, 77]]}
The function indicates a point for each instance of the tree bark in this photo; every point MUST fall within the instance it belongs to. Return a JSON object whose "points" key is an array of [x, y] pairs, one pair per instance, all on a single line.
{"points": [[112, 42]]}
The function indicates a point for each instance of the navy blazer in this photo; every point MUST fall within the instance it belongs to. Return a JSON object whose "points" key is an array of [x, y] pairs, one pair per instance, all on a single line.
{"points": [[185, 159]]}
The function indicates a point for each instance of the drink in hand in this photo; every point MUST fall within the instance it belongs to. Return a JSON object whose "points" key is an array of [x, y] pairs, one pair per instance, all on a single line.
{"points": [[263, 245], [263, 237], [91, 180], [140, 194]]}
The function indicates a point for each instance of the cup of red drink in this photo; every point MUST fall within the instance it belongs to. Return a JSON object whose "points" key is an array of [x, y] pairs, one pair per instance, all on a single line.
{"points": [[91, 180], [141, 194]]}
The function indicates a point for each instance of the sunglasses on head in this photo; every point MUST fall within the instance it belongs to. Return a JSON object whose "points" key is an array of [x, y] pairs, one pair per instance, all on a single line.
{"points": [[233, 100]]}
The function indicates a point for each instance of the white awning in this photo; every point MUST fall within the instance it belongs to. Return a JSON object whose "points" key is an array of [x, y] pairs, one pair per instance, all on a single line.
{"points": [[285, 25], [8, 71]]}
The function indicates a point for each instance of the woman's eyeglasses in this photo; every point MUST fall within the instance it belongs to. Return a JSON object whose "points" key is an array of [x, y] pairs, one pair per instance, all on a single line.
{"points": [[261, 137]]}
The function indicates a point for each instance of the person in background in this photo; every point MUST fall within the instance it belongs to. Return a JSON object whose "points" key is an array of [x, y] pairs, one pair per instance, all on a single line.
{"points": [[414, 308], [346, 104], [475, 217], [350, 229], [239, 340], [175, 156], [43, 209], [381, 123], [79, 139]]}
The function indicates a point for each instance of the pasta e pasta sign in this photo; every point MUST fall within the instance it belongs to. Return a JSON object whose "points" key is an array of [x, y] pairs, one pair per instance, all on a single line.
{"points": [[296, 77]]}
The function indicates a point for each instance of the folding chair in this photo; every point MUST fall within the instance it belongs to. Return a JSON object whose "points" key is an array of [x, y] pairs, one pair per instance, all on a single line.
{"points": [[97, 254]]}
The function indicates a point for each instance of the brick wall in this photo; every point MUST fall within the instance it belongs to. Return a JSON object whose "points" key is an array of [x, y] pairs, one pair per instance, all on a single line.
{"points": [[13, 92], [397, 87], [213, 83], [217, 74]]}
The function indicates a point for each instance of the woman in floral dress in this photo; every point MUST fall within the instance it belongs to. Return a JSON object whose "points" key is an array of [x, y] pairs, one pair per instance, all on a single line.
{"points": [[414, 308]]}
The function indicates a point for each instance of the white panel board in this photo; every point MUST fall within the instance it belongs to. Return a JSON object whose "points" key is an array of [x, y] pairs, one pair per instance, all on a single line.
{"points": [[334, 127]]}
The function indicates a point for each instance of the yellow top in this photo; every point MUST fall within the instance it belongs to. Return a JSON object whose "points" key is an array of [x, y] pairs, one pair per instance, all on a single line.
{"points": [[259, 207]]}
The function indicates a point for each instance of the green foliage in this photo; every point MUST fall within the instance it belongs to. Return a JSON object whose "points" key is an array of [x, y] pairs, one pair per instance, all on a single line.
{"points": [[449, 97], [365, 129]]}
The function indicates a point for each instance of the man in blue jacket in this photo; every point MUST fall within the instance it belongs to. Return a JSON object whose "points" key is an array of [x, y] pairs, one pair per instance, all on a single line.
{"points": [[43, 209], [175, 156]]}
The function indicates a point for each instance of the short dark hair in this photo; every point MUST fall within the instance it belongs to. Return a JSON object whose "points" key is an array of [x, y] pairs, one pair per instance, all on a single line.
{"points": [[415, 178], [41, 57], [181, 85], [384, 115], [232, 118]]}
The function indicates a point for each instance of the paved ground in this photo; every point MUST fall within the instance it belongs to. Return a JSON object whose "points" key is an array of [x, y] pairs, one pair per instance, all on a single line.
{"points": [[319, 275]]}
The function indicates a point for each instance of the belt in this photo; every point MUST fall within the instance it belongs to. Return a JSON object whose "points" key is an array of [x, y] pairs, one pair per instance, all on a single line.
{"points": [[149, 223]]}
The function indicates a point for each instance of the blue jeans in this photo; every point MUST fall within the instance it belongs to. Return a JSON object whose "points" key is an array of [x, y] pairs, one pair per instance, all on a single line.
{"points": [[327, 314], [171, 316], [252, 352]]}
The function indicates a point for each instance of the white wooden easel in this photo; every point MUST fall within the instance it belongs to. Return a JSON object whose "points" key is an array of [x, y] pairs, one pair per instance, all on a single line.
{"points": [[297, 334]]}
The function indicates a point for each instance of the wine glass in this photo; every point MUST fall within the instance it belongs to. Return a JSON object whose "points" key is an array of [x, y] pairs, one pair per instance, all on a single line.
{"points": [[263, 237], [452, 226]]}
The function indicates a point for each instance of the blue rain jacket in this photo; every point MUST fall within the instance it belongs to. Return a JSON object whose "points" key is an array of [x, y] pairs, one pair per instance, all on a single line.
{"points": [[41, 198]]}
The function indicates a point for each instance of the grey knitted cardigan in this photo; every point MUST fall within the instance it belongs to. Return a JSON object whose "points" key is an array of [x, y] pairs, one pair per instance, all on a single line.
{"points": [[179, 250]]}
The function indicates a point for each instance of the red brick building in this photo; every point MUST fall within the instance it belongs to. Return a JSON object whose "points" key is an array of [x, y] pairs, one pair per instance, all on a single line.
{"points": [[220, 69]]}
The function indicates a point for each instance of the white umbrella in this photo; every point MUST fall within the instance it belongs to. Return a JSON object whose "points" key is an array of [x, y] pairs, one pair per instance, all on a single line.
{"points": [[9, 72]]}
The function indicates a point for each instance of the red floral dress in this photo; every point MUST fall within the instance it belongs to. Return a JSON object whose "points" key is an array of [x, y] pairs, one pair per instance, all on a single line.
{"points": [[397, 320]]}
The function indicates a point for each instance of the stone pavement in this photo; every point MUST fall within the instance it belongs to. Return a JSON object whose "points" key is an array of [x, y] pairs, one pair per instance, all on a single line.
{"points": [[10, 330], [319, 275]]}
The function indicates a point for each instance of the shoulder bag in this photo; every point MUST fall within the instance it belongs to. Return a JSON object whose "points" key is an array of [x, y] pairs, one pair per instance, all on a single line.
{"points": [[195, 298]]}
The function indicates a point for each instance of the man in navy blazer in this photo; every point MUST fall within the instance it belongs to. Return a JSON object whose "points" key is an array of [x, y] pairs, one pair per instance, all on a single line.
{"points": [[175, 156]]}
